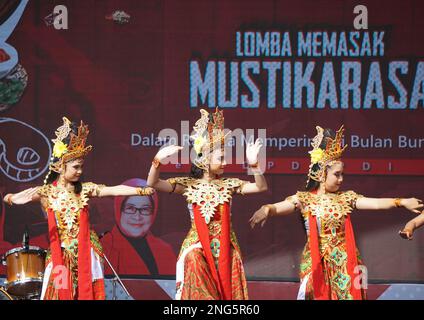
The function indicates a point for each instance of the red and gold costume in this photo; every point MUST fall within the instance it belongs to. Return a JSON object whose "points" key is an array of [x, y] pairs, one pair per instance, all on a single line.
{"points": [[331, 267], [209, 265], [74, 266]]}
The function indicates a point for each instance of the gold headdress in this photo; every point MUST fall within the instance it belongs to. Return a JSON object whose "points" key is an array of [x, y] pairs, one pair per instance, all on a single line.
{"points": [[208, 136], [325, 157], [76, 147]]}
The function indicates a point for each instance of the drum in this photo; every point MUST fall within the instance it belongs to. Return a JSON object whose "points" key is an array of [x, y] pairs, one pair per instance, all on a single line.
{"points": [[24, 269], [4, 295]]}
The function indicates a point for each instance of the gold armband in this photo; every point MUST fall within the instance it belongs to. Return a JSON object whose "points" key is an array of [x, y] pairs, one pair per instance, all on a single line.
{"points": [[397, 202], [141, 191], [255, 165]]}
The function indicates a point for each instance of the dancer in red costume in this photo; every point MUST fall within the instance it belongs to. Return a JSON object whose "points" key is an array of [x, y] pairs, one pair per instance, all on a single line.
{"points": [[74, 266], [131, 247], [331, 267], [209, 265]]}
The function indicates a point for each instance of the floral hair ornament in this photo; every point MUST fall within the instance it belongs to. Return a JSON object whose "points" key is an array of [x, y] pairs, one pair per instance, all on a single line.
{"points": [[208, 136], [325, 157]]}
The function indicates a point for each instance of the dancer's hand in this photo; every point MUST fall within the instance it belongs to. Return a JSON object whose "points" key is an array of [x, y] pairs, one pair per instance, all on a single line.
{"points": [[148, 191], [167, 152], [406, 234], [259, 216], [252, 151], [412, 204], [24, 196]]}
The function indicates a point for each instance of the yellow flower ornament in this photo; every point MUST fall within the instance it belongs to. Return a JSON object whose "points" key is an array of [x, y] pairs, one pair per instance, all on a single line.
{"points": [[198, 144], [316, 155], [59, 149]]}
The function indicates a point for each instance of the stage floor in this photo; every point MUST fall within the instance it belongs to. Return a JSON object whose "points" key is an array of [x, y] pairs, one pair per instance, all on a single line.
{"points": [[258, 290], [149, 289]]}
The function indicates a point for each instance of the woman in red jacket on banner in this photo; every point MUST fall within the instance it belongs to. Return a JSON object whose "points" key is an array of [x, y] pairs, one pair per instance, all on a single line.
{"points": [[209, 265], [331, 267], [74, 266], [131, 247]]}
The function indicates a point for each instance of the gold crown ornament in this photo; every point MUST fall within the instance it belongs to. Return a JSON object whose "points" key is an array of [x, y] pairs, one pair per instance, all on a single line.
{"points": [[325, 157], [76, 148], [208, 136]]}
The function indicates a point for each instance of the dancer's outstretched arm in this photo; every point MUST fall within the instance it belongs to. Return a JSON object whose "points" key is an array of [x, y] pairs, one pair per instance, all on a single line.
{"points": [[412, 204], [153, 179], [122, 190], [277, 209], [22, 197], [411, 226]]}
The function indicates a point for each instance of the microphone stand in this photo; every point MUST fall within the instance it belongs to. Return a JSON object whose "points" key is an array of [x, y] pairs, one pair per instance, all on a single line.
{"points": [[117, 278], [25, 240]]}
